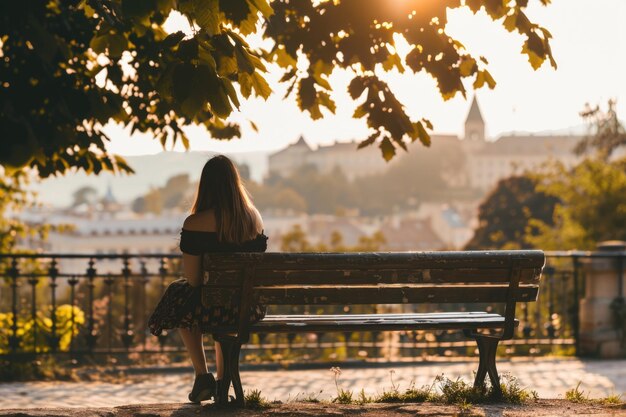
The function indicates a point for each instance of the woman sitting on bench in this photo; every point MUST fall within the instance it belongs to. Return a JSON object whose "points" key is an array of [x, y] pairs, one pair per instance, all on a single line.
{"points": [[223, 219]]}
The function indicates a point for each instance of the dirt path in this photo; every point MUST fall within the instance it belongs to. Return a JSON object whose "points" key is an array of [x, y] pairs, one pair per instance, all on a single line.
{"points": [[541, 408]]}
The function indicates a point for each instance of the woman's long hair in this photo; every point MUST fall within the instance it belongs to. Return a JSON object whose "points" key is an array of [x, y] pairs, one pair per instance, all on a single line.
{"points": [[221, 190]]}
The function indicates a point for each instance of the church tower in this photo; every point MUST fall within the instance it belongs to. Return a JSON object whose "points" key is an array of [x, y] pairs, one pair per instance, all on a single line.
{"points": [[474, 124]]}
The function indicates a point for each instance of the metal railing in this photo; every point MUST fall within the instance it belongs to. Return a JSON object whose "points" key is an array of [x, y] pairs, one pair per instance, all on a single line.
{"points": [[99, 304]]}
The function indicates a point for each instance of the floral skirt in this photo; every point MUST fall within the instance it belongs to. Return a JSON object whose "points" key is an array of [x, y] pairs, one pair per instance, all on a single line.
{"points": [[181, 307]]}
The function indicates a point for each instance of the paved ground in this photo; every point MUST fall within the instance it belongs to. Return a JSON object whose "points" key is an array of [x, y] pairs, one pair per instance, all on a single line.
{"points": [[541, 408], [549, 377]]}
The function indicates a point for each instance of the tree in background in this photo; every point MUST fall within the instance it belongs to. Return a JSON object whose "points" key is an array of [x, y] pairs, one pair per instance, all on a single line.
{"points": [[415, 178], [295, 240], [84, 195], [12, 199], [592, 195], [607, 133], [84, 63], [174, 192], [70, 67], [562, 208], [592, 206], [507, 217]]}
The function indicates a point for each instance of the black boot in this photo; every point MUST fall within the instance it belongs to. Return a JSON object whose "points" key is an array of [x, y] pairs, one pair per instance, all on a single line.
{"points": [[203, 388]]}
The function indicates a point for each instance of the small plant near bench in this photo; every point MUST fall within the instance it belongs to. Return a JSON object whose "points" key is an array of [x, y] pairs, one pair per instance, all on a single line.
{"points": [[453, 392], [456, 392], [576, 395], [255, 400]]}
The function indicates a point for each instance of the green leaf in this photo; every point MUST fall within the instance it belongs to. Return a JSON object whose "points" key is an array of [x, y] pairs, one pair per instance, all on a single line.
{"points": [[260, 86], [138, 9], [356, 87], [164, 84], [325, 100], [282, 58], [243, 62], [535, 60], [173, 39], [206, 13], [489, 79], [227, 65], [188, 49], [387, 149], [235, 10], [182, 81], [306, 93], [185, 140], [367, 142], [510, 22], [263, 6], [522, 23], [480, 79], [99, 44], [468, 66], [423, 134], [393, 60], [230, 90], [360, 111], [114, 43], [245, 84]]}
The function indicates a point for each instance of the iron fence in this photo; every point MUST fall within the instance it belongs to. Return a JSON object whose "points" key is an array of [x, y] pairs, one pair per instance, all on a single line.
{"points": [[98, 304]]}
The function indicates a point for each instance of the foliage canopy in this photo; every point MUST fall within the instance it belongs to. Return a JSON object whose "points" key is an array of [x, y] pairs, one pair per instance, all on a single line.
{"points": [[69, 67], [508, 215]]}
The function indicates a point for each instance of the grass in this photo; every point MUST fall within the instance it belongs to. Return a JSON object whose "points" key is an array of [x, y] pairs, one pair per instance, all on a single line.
{"points": [[344, 396], [255, 400], [576, 395], [612, 399], [514, 393], [451, 391], [455, 392]]}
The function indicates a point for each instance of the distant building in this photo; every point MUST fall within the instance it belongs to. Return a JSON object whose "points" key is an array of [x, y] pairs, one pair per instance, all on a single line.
{"points": [[344, 155], [514, 155], [474, 124], [490, 161], [487, 162]]}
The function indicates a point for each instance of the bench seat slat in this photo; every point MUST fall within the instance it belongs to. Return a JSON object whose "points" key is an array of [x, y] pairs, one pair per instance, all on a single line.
{"points": [[378, 322], [409, 321], [389, 295], [360, 317], [439, 314]]}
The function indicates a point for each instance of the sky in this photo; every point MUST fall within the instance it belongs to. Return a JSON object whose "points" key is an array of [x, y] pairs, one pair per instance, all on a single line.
{"points": [[589, 45]]}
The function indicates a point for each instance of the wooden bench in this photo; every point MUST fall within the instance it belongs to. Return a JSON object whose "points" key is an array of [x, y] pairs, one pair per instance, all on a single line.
{"points": [[297, 279]]}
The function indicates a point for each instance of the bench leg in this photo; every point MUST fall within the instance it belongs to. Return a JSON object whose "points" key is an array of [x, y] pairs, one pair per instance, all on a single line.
{"points": [[487, 347], [231, 347], [234, 374]]}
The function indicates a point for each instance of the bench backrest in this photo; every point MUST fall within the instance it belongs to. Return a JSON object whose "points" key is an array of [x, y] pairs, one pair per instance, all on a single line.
{"points": [[373, 278]]}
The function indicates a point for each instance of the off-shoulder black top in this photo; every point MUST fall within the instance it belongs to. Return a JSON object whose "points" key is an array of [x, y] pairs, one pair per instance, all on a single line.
{"points": [[197, 242]]}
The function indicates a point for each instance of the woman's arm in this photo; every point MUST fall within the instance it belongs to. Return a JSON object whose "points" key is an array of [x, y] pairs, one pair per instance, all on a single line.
{"points": [[192, 264], [192, 269]]}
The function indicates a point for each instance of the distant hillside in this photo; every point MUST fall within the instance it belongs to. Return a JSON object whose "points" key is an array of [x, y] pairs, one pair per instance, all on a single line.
{"points": [[150, 171]]}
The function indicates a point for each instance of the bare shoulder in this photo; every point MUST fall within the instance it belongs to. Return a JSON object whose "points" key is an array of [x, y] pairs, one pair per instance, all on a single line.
{"points": [[203, 221], [259, 219]]}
